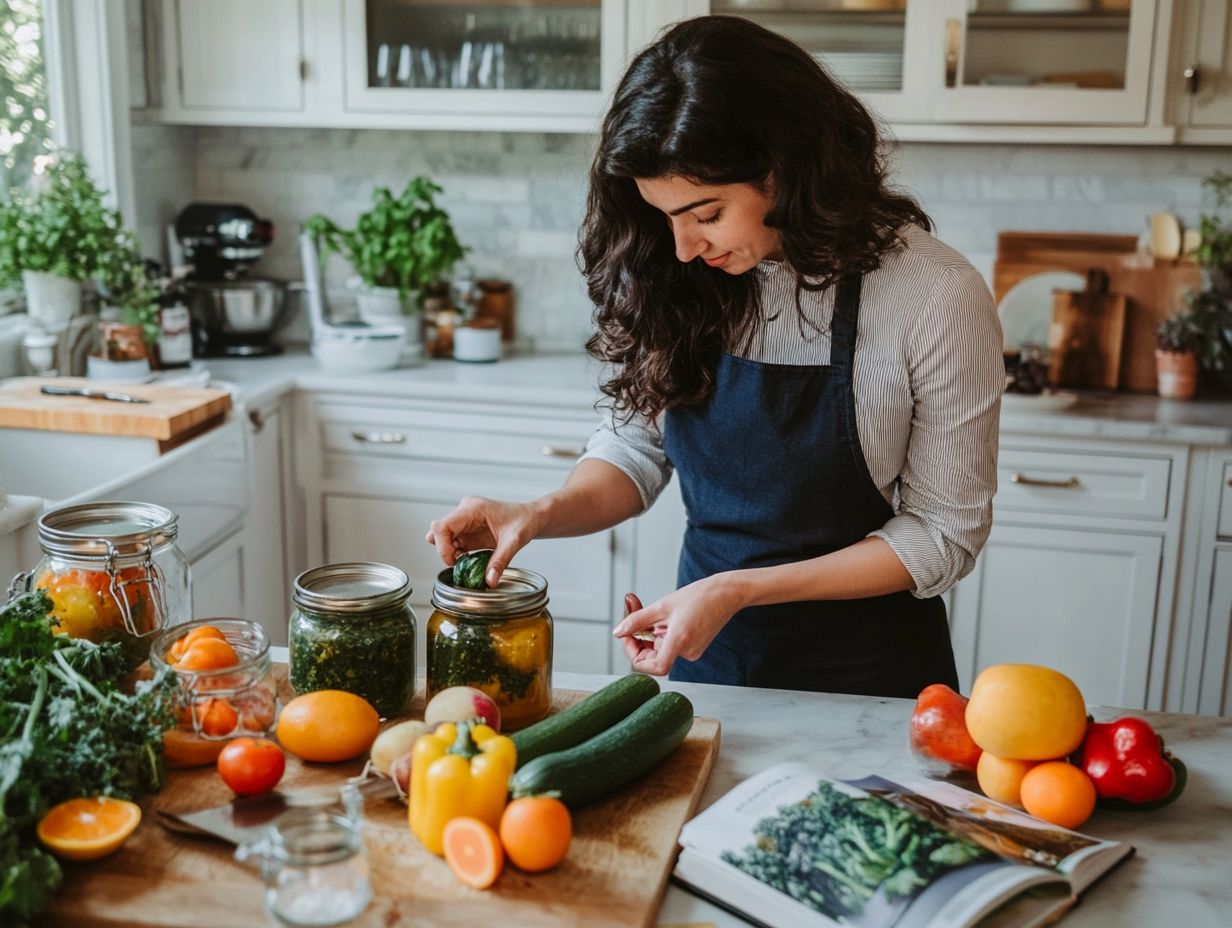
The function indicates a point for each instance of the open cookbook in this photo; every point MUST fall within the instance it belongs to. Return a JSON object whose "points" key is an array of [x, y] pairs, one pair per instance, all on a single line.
{"points": [[789, 849]]}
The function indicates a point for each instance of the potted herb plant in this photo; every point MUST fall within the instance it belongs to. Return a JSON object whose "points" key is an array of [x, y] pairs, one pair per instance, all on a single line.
{"points": [[1176, 359], [56, 236], [398, 248], [1211, 309]]}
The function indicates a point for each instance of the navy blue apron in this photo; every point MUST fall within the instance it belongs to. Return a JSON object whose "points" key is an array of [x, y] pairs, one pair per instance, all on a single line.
{"points": [[772, 472]]}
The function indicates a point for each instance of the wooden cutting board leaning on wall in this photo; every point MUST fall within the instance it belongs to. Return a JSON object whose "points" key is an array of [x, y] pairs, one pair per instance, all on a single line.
{"points": [[172, 416], [1153, 289], [1086, 335]]}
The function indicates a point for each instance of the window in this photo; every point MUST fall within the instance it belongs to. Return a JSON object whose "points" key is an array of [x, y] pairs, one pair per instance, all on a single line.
{"points": [[25, 123]]}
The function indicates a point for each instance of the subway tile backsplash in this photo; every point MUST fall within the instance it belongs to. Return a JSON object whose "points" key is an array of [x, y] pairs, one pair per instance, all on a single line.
{"points": [[517, 198]]}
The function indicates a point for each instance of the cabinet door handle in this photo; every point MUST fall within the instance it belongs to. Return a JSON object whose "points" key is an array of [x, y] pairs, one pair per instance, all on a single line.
{"points": [[257, 420], [953, 46], [1070, 483], [555, 451], [379, 438], [1192, 75]]}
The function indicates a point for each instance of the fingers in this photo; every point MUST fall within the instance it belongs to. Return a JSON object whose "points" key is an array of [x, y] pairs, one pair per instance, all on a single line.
{"points": [[505, 550], [655, 659]]}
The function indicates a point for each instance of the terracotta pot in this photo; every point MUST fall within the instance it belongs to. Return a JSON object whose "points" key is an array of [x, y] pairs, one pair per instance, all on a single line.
{"points": [[1178, 374]]}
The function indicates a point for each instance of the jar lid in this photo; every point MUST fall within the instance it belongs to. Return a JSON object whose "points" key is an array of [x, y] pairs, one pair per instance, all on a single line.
{"points": [[355, 587], [308, 837], [495, 285], [520, 592], [101, 529]]}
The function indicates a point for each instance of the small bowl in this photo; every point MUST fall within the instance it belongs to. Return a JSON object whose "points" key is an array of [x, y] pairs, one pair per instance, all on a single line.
{"points": [[215, 706], [358, 350]]}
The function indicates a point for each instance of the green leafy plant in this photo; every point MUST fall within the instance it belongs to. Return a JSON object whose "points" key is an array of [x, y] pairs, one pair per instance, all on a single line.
{"points": [[405, 242], [128, 284], [1215, 251], [60, 226], [1177, 333]]}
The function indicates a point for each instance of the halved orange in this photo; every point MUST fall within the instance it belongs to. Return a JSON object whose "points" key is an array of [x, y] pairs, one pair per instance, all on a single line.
{"points": [[88, 828], [473, 851]]}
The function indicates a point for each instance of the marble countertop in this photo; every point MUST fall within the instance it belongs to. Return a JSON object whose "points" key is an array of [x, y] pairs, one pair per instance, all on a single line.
{"points": [[1179, 875], [571, 380]]}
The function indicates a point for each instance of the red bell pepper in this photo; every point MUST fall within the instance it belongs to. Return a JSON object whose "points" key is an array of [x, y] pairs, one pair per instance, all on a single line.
{"points": [[1127, 763]]}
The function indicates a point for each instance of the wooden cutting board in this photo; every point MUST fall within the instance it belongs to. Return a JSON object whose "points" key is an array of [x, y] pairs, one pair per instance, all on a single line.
{"points": [[1088, 329], [615, 873], [171, 415], [1153, 289]]}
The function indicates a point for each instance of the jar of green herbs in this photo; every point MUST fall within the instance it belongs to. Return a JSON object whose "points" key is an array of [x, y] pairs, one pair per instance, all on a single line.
{"points": [[353, 629]]}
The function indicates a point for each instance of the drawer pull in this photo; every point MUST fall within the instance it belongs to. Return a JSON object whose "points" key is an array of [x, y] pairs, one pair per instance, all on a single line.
{"points": [[379, 438], [1068, 484], [555, 451]]}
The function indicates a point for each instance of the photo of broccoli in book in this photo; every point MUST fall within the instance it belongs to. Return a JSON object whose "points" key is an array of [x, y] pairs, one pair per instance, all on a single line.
{"points": [[789, 847]]}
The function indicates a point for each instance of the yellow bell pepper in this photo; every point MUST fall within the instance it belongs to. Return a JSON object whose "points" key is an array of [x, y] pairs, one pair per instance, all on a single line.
{"points": [[461, 769]]}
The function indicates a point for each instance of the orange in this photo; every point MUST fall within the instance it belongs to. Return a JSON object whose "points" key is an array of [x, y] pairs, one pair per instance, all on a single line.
{"points": [[180, 645], [473, 851], [208, 654], [84, 829], [1001, 778], [328, 725], [535, 832], [187, 749], [216, 718], [1059, 793], [1026, 712]]}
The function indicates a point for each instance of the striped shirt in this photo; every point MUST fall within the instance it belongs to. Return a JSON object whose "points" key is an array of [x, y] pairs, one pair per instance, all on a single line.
{"points": [[928, 377]]}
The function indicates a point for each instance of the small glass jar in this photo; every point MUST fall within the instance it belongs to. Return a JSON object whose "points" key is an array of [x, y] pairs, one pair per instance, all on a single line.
{"points": [[353, 629], [114, 572], [215, 706], [496, 640], [314, 867]]}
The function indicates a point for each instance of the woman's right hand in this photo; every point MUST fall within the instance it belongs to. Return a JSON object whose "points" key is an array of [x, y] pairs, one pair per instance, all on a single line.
{"points": [[480, 523]]}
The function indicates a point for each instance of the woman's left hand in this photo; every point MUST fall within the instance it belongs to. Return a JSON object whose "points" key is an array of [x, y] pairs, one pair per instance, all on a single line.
{"points": [[683, 623]]}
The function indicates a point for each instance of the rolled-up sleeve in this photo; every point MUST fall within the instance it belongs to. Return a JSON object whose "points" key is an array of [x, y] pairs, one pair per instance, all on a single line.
{"points": [[636, 448], [945, 490]]}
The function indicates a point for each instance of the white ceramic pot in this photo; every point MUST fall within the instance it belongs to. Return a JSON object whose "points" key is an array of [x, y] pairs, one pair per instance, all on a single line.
{"points": [[476, 345], [382, 306], [51, 300]]}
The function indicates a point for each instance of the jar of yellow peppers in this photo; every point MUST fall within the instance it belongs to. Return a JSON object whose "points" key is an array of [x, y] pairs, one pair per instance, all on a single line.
{"points": [[497, 640]]}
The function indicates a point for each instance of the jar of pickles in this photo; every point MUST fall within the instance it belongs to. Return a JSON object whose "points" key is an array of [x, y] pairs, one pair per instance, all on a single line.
{"points": [[113, 572], [226, 686], [496, 640], [353, 629]]}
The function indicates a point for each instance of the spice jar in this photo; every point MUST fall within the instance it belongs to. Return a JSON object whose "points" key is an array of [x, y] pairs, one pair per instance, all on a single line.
{"points": [[353, 629], [215, 705], [495, 301], [496, 640], [314, 867], [113, 572]]}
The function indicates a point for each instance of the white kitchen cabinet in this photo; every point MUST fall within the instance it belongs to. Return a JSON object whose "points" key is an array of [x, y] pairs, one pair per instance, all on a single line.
{"points": [[235, 55], [538, 65], [1082, 602], [1216, 695], [265, 569], [218, 580], [1200, 74]]}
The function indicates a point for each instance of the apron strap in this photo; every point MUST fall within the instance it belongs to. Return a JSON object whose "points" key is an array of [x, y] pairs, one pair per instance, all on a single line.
{"points": [[845, 325]]}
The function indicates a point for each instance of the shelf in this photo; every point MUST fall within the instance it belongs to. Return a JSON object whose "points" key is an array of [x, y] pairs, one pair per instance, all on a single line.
{"points": [[1114, 21]]}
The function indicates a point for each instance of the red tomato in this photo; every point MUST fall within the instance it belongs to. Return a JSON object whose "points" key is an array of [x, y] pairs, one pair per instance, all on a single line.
{"points": [[251, 766]]}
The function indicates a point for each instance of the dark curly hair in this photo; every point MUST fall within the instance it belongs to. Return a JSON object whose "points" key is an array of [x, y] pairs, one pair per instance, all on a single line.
{"points": [[721, 100]]}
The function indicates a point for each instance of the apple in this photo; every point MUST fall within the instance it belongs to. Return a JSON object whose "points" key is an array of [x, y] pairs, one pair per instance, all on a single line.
{"points": [[460, 703], [939, 736]]}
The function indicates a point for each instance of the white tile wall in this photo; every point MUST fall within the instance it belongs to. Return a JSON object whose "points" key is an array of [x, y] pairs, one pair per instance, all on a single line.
{"points": [[517, 199]]}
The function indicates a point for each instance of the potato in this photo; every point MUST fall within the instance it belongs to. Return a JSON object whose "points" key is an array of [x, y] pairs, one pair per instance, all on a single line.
{"points": [[395, 741]]}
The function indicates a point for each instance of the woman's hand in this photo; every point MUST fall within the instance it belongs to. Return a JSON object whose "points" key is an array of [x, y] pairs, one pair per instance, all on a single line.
{"points": [[683, 623], [480, 523]]}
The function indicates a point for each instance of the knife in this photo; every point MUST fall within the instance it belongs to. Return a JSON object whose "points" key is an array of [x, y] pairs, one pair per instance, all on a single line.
{"points": [[246, 819], [91, 393]]}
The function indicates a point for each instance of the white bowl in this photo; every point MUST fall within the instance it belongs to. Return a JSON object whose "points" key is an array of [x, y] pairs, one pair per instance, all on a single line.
{"points": [[476, 345], [118, 371], [359, 350]]}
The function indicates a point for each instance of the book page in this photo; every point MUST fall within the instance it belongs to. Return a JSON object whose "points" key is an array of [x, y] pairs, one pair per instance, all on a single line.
{"points": [[845, 854]]}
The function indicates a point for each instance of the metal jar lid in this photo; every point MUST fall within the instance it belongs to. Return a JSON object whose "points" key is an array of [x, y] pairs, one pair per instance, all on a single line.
{"points": [[354, 588], [520, 592], [107, 528]]}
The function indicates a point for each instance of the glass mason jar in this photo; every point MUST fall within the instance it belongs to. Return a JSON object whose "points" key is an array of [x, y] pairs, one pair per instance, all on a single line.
{"points": [[113, 572], [496, 640], [353, 629], [314, 867], [215, 706]]}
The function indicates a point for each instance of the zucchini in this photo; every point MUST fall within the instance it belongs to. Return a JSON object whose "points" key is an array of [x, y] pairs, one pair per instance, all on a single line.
{"points": [[597, 712], [611, 758], [468, 570]]}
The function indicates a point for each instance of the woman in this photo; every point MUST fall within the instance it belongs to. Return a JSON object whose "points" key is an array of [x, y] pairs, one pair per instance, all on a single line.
{"points": [[784, 333]]}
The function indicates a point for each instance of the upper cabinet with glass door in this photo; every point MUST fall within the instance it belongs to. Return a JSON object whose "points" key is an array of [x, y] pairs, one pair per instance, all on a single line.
{"points": [[873, 46], [471, 64], [1051, 62]]}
